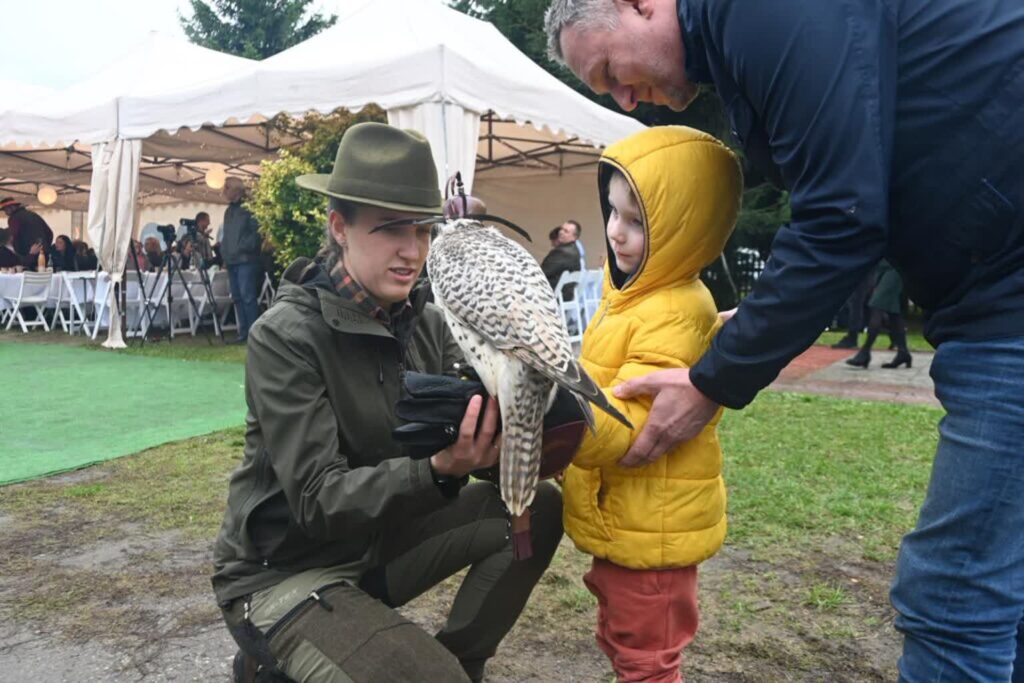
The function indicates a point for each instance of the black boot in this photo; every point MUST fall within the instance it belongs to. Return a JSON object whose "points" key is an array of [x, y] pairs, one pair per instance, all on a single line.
{"points": [[847, 342], [902, 357], [861, 360], [898, 334], [244, 668]]}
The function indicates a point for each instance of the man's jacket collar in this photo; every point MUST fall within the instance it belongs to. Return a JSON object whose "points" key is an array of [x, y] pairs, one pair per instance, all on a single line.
{"points": [[688, 13]]}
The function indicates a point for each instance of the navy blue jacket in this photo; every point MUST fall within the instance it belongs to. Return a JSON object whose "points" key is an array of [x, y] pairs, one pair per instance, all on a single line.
{"points": [[898, 128]]}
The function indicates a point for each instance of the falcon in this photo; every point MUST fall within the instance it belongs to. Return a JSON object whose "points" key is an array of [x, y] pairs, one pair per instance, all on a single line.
{"points": [[504, 316]]}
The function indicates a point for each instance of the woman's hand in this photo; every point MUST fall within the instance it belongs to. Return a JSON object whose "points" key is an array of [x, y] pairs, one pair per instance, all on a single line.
{"points": [[472, 450]]}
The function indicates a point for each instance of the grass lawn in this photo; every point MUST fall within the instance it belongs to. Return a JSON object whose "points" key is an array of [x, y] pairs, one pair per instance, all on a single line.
{"points": [[820, 492], [201, 348], [915, 341]]}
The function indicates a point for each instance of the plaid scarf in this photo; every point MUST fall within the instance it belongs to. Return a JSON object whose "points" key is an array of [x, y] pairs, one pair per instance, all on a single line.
{"points": [[348, 288]]}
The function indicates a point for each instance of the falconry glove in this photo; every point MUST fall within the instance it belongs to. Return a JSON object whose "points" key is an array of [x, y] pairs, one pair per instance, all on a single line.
{"points": [[432, 407]]}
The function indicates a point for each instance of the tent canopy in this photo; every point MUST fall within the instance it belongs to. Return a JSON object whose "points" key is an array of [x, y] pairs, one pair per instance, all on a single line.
{"points": [[484, 105]]}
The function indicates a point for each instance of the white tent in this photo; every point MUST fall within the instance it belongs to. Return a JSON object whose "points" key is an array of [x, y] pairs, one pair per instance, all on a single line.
{"points": [[49, 138], [487, 109]]}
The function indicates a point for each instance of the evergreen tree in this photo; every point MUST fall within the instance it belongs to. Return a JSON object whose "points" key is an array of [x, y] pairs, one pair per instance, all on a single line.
{"points": [[255, 29]]}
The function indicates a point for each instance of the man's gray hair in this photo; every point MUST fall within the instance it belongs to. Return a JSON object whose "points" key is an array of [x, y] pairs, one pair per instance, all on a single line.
{"points": [[585, 14]]}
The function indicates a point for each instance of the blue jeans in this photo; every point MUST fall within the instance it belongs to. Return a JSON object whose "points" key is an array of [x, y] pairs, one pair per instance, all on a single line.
{"points": [[245, 280], [959, 587]]}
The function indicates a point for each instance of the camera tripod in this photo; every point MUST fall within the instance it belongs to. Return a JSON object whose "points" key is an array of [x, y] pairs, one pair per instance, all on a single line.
{"points": [[173, 267]]}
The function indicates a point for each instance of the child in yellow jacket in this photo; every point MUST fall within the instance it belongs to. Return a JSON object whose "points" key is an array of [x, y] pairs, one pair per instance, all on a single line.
{"points": [[670, 196]]}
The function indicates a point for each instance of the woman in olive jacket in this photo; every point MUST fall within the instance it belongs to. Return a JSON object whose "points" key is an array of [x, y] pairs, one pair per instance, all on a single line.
{"points": [[886, 304], [329, 525]]}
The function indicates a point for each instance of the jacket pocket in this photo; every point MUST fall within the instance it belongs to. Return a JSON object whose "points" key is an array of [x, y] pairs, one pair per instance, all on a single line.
{"points": [[594, 498]]}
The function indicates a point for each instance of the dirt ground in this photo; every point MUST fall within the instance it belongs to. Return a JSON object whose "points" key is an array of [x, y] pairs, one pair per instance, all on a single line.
{"points": [[84, 598]]}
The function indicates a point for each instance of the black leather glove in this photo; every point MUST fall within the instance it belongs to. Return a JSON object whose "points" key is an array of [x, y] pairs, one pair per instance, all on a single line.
{"points": [[431, 410], [432, 407], [564, 426]]}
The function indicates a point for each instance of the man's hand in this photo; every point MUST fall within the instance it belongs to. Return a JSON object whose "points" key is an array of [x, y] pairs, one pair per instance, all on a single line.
{"points": [[678, 414], [34, 249], [472, 450], [726, 316]]}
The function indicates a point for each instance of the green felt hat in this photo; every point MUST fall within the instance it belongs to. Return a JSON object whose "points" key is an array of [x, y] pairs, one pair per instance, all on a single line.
{"points": [[382, 166]]}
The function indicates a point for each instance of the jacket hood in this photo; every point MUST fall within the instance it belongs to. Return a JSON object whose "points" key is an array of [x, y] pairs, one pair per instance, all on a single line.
{"points": [[300, 282], [688, 186]]}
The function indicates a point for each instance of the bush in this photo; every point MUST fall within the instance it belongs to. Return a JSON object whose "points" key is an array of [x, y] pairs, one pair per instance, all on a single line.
{"points": [[291, 218]]}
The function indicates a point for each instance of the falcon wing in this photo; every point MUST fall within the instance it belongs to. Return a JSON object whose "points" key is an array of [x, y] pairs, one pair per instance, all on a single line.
{"points": [[496, 288]]}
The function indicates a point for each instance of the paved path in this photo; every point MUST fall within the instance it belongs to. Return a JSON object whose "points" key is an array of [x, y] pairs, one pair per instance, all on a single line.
{"points": [[821, 370]]}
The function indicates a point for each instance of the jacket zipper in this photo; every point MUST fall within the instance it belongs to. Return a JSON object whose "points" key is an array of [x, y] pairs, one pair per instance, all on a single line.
{"points": [[600, 318]]}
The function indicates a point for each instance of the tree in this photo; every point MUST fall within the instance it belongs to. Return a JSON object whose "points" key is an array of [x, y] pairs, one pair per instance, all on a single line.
{"points": [[255, 29]]}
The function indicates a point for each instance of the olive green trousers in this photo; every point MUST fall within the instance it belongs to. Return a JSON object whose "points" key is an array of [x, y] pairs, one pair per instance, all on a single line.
{"points": [[348, 632]]}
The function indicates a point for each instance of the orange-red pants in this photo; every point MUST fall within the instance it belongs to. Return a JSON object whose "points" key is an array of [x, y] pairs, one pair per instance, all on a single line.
{"points": [[644, 618]]}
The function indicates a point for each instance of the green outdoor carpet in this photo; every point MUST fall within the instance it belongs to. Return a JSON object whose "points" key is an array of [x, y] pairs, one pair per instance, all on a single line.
{"points": [[63, 408]]}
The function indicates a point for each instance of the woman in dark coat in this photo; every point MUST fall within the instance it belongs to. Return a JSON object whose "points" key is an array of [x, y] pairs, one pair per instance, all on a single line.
{"points": [[62, 255], [885, 304], [85, 256]]}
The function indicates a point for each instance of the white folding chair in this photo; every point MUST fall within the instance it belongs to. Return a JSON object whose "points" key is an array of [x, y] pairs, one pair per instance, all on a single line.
{"points": [[204, 305], [95, 305], [141, 303], [35, 292], [176, 303], [570, 308], [63, 297], [221, 286], [591, 284]]}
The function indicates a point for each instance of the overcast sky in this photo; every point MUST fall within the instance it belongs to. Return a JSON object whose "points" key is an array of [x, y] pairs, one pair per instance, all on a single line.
{"points": [[58, 42]]}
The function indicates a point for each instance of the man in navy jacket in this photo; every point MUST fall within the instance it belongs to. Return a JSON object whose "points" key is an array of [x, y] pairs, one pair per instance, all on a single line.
{"points": [[898, 128]]}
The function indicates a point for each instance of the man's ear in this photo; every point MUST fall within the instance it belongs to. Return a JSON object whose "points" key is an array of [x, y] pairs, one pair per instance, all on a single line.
{"points": [[644, 8]]}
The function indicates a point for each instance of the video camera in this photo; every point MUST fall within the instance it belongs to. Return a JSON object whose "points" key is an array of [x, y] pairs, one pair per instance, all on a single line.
{"points": [[190, 228], [168, 232]]}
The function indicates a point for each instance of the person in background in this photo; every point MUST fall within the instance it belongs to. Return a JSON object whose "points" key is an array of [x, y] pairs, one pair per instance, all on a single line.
{"points": [[62, 255], [30, 234], [137, 258], [855, 307], [886, 303], [84, 255], [553, 236], [574, 228], [240, 248], [203, 246], [563, 258], [153, 252], [8, 257], [186, 250]]}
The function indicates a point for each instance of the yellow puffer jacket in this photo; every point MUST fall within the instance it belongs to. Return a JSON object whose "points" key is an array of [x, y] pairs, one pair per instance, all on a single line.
{"points": [[672, 512]]}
